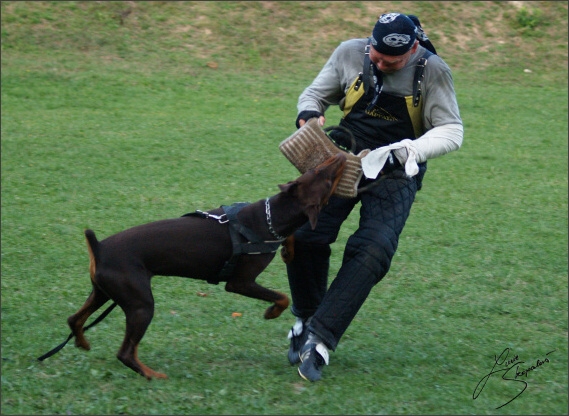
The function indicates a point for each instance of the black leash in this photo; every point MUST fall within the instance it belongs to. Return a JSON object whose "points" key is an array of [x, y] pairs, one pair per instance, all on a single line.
{"points": [[95, 322]]}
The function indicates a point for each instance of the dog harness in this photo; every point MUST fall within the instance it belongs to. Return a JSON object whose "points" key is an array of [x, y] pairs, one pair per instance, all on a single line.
{"points": [[243, 239]]}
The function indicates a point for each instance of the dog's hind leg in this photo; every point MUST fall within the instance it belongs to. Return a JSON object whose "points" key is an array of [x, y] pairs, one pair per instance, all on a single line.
{"points": [[76, 321], [139, 310], [96, 299]]}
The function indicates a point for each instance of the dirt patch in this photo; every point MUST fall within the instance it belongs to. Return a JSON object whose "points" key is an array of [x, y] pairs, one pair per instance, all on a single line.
{"points": [[271, 34]]}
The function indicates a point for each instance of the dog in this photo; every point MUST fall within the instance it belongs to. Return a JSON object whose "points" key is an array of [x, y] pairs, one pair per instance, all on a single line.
{"points": [[200, 246]]}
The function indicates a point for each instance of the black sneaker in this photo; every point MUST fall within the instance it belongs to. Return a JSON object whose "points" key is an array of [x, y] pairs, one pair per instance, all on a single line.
{"points": [[314, 355], [297, 335]]}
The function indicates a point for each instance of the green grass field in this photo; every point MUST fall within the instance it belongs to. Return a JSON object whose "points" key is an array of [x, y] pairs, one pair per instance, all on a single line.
{"points": [[182, 106]]}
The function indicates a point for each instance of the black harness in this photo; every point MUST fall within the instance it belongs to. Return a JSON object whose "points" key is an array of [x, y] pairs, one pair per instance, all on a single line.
{"points": [[243, 239]]}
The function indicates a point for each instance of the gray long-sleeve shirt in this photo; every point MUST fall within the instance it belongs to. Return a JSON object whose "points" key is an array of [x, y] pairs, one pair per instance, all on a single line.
{"points": [[441, 116]]}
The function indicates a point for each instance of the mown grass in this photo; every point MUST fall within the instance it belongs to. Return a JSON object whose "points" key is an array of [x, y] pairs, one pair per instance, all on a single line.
{"points": [[107, 131]]}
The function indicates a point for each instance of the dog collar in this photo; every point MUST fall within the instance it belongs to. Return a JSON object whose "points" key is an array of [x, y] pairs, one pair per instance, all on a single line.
{"points": [[270, 222]]}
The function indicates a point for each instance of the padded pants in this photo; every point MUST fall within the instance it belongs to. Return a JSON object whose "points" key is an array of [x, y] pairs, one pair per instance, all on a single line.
{"points": [[384, 210]]}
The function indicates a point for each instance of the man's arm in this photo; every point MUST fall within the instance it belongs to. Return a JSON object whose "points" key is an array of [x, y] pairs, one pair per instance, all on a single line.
{"points": [[328, 88], [438, 141], [441, 115]]}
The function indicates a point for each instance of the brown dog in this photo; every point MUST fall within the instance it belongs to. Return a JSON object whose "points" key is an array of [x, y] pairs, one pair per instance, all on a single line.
{"points": [[198, 246]]}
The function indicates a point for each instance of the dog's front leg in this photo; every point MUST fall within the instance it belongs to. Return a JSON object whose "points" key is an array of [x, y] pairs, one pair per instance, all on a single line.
{"points": [[243, 283], [278, 307], [254, 290]]}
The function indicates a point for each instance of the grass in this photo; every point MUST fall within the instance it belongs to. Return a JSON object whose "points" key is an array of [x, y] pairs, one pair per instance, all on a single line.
{"points": [[108, 125]]}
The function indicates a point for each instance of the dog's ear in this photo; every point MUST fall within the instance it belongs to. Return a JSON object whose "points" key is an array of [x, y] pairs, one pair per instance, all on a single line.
{"points": [[289, 187], [312, 212]]}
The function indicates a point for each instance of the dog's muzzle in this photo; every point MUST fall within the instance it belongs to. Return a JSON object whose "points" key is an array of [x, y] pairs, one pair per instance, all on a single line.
{"points": [[309, 146]]}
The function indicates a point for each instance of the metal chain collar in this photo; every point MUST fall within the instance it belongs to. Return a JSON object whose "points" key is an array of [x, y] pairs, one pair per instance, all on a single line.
{"points": [[270, 222]]}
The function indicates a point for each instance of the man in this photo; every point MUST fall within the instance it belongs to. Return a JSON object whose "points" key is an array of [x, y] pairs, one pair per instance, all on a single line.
{"points": [[397, 96]]}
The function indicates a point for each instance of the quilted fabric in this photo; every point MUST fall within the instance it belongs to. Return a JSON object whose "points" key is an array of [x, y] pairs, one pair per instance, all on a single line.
{"points": [[366, 260]]}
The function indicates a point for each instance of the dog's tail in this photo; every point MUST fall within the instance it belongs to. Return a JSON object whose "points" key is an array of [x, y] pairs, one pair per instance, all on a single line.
{"points": [[93, 247]]}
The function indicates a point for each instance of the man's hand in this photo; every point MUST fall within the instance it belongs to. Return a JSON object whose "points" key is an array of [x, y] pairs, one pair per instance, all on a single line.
{"points": [[304, 116], [391, 164]]}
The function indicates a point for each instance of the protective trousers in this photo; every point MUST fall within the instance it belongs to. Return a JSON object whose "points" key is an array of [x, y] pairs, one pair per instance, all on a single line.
{"points": [[385, 207]]}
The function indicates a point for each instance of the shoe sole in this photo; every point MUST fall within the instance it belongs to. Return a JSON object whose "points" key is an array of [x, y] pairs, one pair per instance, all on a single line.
{"points": [[306, 378], [302, 375]]}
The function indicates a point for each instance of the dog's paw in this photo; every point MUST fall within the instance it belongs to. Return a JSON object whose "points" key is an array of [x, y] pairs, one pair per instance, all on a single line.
{"points": [[154, 374], [81, 342], [287, 250], [275, 310]]}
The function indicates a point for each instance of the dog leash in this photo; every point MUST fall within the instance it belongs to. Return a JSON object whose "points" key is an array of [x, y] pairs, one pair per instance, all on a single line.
{"points": [[95, 322]]}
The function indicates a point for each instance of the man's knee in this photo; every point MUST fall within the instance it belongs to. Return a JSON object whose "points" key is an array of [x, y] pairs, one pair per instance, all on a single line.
{"points": [[374, 254]]}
